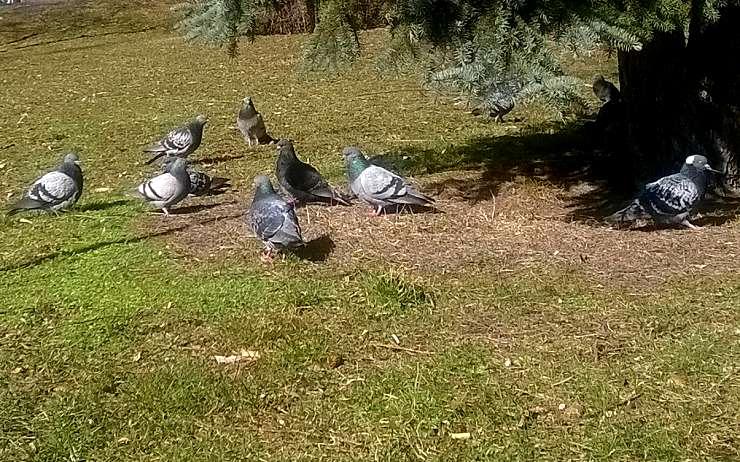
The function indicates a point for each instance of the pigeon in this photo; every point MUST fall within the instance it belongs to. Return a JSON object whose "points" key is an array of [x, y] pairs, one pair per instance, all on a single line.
{"points": [[301, 180], [180, 142], [377, 186], [273, 219], [54, 191], [169, 188], [252, 125], [671, 199], [201, 183], [499, 100], [605, 90]]}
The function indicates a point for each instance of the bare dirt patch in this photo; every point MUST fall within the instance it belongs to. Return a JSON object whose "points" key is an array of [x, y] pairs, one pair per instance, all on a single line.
{"points": [[528, 225]]}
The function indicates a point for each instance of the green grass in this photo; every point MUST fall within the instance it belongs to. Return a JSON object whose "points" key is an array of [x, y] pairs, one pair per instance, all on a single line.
{"points": [[107, 337]]}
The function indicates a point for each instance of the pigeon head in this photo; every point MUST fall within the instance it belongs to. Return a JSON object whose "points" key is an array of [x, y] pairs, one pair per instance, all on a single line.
{"points": [[599, 79], [200, 119], [352, 153], [699, 163], [71, 158], [248, 102], [355, 161], [263, 184], [285, 148]]}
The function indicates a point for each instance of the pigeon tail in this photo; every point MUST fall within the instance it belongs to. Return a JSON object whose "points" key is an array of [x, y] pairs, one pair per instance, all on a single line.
{"points": [[632, 212], [219, 183], [25, 204]]}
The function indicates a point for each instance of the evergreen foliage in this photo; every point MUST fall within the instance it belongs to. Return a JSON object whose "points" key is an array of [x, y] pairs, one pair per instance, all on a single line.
{"points": [[475, 48], [335, 43], [219, 22]]}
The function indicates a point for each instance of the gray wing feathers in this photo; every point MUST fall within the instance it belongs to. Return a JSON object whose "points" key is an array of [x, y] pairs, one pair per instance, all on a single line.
{"points": [[384, 186], [672, 195], [276, 223]]}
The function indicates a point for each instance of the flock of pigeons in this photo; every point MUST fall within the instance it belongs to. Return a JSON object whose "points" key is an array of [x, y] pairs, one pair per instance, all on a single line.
{"points": [[272, 217]]}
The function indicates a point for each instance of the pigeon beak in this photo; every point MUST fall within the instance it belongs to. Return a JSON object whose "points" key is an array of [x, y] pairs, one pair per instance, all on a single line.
{"points": [[707, 167], [77, 162]]}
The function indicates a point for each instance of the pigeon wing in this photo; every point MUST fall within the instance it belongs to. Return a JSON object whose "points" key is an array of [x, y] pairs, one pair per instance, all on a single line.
{"points": [[178, 139], [382, 185], [305, 177], [53, 189], [267, 219], [672, 195], [160, 188]]}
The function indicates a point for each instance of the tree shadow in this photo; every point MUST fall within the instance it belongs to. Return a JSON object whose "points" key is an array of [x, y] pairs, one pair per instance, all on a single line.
{"points": [[316, 250], [568, 156], [99, 245]]}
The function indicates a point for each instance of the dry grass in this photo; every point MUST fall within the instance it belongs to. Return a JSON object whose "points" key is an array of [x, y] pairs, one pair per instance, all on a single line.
{"points": [[518, 320], [527, 226]]}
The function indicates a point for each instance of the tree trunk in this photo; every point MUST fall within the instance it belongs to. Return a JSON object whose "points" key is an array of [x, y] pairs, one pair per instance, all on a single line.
{"points": [[682, 97], [312, 15]]}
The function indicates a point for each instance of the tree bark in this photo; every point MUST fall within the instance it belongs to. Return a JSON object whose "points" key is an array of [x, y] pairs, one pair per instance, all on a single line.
{"points": [[682, 97]]}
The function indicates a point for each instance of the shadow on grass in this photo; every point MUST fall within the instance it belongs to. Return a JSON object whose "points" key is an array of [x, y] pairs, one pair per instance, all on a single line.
{"points": [[217, 159], [316, 250], [103, 244], [567, 156]]}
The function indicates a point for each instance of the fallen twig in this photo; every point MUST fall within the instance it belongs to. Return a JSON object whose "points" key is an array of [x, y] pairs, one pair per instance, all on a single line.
{"points": [[391, 346]]}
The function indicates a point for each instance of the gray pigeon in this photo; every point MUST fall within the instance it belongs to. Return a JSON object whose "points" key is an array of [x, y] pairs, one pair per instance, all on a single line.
{"points": [[201, 183], [180, 142], [499, 100], [377, 186], [54, 191], [301, 180], [605, 90], [670, 199], [272, 219], [252, 125], [169, 188]]}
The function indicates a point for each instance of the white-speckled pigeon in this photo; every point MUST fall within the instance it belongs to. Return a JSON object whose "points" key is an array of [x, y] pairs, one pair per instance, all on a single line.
{"points": [[165, 190], [670, 199], [605, 90], [252, 125], [301, 180], [272, 219], [377, 186], [201, 183], [54, 191], [180, 142]]}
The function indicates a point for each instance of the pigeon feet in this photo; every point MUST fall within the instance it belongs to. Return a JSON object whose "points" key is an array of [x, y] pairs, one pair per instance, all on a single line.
{"points": [[267, 256], [690, 225], [376, 212]]}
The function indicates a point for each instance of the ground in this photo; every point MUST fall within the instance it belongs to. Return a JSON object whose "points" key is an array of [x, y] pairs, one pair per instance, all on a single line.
{"points": [[511, 323]]}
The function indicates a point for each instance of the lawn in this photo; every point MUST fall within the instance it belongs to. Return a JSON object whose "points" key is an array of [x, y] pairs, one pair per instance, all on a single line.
{"points": [[511, 325]]}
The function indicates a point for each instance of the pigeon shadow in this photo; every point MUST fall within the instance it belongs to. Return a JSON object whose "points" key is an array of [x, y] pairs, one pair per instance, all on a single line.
{"points": [[218, 159], [196, 208], [102, 205], [316, 250]]}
